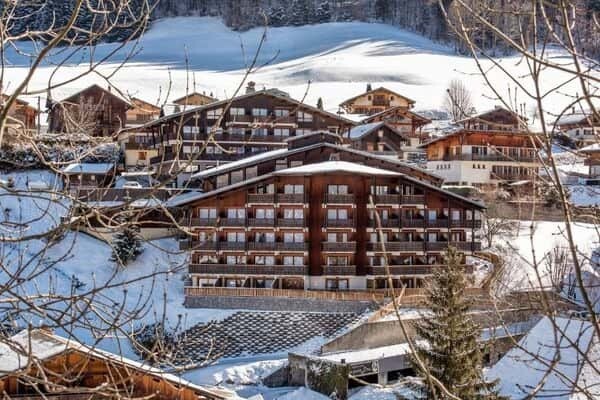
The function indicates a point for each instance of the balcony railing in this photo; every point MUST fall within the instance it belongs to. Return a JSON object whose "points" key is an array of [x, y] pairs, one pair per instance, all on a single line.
{"points": [[234, 246], [396, 246], [486, 157], [267, 246], [402, 270], [233, 222], [339, 223], [387, 199], [290, 223], [461, 246], [248, 269], [412, 223], [292, 246], [203, 222], [292, 293], [340, 198], [262, 222], [346, 270], [336, 246], [290, 198], [261, 198], [413, 199]]}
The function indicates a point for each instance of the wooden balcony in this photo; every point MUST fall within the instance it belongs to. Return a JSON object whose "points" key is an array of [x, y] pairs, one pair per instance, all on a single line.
{"points": [[387, 199], [247, 269], [204, 222], [241, 222], [261, 198], [486, 157], [292, 246], [290, 223], [438, 223], [262, 246], [385, 223], [403, 270], [343, 270], [339, 247], [397, 246], [466, 223], [340, 295], [339, 223], [461, 246], [287, 198], [232, 246], [197, 245], [412, 223], [261, 222], [415, 199], [340, 198]]}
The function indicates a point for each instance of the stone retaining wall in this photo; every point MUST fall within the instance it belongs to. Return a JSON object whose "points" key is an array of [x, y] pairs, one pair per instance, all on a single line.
{"points": [[278, 304]]}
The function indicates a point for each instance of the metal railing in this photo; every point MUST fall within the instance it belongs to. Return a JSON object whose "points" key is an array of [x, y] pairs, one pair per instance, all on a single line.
{"points": [[247, 269]]}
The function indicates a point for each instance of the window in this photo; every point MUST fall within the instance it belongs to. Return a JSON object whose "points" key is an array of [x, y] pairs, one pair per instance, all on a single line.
{"points": [[234, 260], [337, 237], [281, 132], [304, 116], [208, 213], [336, 284], [237, 130], [204, 237], [337, 260], [236, 213], [297, 261], [293, 213], [337, 213], [262, 213], [259, 112], [222, 180], [264, 260], [379, 190], [293, 189], [455, 215], [293, 237], [234, 237], [266, 189], [141, 155], [237, 111], [265, 237], [281, 112], [337, 189], [300, 132], [214, 114], [375, 237], [432, 215], [191, 129], [280, 164], [260, 132], [251, 172]]}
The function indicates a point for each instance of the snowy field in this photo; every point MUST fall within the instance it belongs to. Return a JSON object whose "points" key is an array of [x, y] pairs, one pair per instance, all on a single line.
{"points": [[337, 58]]}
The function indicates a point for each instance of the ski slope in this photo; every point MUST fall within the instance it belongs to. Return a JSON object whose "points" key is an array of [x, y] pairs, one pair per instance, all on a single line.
{"points": [[338, 59]]}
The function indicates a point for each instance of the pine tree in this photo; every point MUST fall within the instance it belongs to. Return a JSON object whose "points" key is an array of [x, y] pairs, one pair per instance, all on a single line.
{"points": [[126, 244], [320, 103], [448, 347]]}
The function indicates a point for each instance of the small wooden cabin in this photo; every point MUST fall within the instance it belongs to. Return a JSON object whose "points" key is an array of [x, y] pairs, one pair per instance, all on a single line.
{"points": [[94, 111], [141, 112], [375, 101], [67, 369], [88, 175], [379, 138], [21, 113], [195, 99]]}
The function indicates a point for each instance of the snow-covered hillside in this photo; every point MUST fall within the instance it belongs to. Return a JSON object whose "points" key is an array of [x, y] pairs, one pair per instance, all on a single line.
{"points": [[337, 58]]}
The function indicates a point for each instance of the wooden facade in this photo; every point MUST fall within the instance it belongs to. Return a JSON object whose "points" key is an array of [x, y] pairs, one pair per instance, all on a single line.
{"points": [[141, 112], [487, 149], [76, 372], [403, 120], [313, 227], [252, 124], [592, 160], [195, 99], [21, 114], [375, 101], [378, 138], [94, 111], [582, 128]]}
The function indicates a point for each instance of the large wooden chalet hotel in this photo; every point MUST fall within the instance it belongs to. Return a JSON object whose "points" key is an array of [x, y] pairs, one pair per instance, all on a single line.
{"points": [[301, 222]]}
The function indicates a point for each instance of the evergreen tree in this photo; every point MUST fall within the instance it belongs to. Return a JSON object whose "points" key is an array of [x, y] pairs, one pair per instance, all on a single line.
{"points": [[449, 348], [126, 244], [320, 103], [323, 13]]}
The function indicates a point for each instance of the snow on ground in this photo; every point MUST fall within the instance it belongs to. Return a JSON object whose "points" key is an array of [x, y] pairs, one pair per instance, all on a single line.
{"points": [[584, 195], [337, 58], [517, 249]]}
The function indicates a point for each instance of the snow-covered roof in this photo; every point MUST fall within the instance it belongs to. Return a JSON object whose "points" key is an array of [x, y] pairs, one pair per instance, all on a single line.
{"points": [[238, 163], [336, 166], [527, 366], [183, 198], [381, 88], [368, 354], [43, 345], [359, 131], [592, 148], [573, 118], [88, 168]]}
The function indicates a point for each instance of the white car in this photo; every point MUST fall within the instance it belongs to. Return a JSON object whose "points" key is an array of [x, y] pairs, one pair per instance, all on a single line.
{"points": [[131, 185]]}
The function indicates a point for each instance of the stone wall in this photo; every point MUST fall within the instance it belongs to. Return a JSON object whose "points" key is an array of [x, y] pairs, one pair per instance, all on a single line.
{"points": [[278, 304]]}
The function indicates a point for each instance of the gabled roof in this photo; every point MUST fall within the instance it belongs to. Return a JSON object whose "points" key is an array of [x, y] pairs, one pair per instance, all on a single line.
{"points": [[592, 148], [577, 118], [467, 131], [482, 115], [360, 131], [43, 345], [194, 94], [88, 168], [409, 113], [20, 102], [145, 103], [265, 92], [310, 169], [411, 101], [336, 166], [96, 86]]}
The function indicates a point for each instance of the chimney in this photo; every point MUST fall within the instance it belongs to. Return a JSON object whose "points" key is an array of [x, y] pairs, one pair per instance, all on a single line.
{"points": [[251, 87], [109, 89]]}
